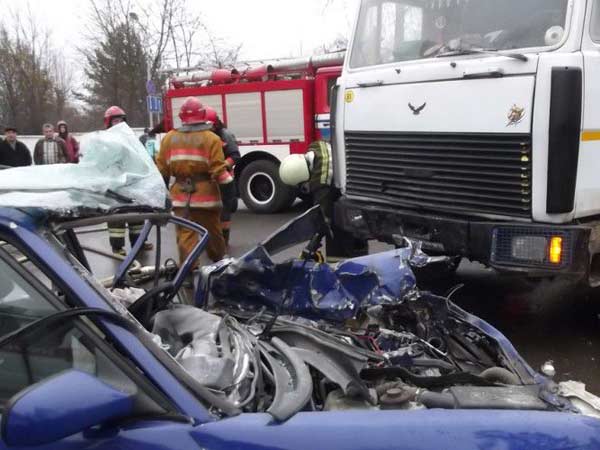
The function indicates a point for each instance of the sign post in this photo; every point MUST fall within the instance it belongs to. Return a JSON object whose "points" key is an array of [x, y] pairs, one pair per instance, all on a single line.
{"points": [[151, 91], [154, 105]]}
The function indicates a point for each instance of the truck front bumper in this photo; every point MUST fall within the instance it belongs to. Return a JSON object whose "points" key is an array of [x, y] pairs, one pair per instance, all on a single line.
{"points": [[504, 245]]}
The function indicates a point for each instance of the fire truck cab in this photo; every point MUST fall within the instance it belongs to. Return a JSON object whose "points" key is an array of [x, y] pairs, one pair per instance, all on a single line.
{"points": [[273, 109]]}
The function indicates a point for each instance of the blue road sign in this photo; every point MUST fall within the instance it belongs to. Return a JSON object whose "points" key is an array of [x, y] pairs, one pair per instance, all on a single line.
{"points": [[150, 87], [154, 103]]}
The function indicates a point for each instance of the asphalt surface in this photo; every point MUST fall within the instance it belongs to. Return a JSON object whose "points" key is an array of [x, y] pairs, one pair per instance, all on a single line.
{"points": [[545, 321]]}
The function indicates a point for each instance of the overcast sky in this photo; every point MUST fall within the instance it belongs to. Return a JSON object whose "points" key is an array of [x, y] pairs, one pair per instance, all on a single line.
{"points": [[267, 28]]}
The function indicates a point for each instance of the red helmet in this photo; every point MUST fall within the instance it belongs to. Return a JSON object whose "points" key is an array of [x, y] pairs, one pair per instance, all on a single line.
{"points": [[192, 111], [211, 115], [112, 113]]}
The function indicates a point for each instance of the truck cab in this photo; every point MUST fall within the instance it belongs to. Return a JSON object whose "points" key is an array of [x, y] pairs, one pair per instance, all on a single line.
{"points": [[471, 126]]}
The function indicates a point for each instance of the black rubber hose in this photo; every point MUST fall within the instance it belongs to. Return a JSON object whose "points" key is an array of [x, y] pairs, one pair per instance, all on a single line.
{"points": [[428, 362], [500, 375], [452, 379]]}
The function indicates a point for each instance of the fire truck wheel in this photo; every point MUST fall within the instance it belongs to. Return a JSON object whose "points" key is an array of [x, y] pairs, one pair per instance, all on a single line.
{"points": [[262, 190]]}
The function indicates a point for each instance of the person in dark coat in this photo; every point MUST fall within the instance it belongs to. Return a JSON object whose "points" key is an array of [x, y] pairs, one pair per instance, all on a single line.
{"points": [[144, 137], [232, 155], [13, 153]]}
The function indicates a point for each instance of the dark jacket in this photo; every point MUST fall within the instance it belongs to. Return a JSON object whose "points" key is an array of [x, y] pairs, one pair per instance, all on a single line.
{"points": [[231, 150], [38, 152], [232, 155], [17, 157]]}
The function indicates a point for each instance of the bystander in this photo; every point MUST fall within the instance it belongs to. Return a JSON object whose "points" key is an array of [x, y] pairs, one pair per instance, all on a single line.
{"points": [[13, 153], [50, 149]]}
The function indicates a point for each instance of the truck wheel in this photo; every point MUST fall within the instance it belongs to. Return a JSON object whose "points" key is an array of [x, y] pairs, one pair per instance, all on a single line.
{"points": [[261, 189]]}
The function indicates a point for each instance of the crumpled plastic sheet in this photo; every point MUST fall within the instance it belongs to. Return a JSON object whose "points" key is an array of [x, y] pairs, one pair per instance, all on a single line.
{"points": [[127, 296], [191, 336], [316, 291], [111, 160]]}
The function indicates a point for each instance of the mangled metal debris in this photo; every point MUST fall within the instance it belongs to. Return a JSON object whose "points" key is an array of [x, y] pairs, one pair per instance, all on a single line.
{"points": [[301, 336]]}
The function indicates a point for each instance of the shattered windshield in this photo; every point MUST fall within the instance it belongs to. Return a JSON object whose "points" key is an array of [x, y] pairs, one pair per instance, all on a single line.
{"points": [[392, 31], [114, 171]]}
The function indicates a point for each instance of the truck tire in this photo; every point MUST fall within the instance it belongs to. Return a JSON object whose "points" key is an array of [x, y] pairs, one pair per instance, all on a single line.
{"points": [[262, 190]]}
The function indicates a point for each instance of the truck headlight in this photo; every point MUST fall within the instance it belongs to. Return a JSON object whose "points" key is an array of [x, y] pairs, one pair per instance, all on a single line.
{"points": [[526, 246], [529, 248]]}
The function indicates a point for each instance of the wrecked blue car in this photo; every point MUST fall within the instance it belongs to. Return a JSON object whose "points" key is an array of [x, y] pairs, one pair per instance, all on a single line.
{"points": [[257, 353], [272, 355]]}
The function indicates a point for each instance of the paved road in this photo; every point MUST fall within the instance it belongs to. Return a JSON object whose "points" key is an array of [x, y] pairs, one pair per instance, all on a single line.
{"points": [[545, 322]]}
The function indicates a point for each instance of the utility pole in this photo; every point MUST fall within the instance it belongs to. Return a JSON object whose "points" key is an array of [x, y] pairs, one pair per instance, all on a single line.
{"points": [[148, 83], [134, 17]]}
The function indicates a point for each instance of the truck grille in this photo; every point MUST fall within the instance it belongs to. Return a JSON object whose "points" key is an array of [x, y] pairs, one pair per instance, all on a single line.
{"points": [[485, 174]]}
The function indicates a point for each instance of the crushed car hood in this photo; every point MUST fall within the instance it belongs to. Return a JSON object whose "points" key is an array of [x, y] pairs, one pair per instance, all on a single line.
{"points": [[292, 336]]}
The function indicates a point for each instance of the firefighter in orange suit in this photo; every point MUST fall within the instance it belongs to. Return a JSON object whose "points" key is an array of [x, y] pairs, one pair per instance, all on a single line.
{"points": [[193, 155]]}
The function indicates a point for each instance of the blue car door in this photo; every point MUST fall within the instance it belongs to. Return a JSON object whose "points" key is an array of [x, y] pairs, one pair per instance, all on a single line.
{"points": [[31, 357]]}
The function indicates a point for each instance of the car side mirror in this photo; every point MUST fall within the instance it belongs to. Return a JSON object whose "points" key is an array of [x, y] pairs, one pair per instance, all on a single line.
{"points": [[61, 406]]}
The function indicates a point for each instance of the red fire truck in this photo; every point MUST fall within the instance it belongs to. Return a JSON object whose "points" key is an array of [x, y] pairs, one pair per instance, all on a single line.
{"points": [[273, 109]]}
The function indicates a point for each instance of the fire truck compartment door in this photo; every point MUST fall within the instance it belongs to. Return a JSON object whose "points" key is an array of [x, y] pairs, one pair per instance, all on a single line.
{"points": [[244, 116], [285, 115]]}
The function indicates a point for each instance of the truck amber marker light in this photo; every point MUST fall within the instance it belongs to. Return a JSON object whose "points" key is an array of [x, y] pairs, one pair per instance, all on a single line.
{"points": [[590, 135], [556, 249]]}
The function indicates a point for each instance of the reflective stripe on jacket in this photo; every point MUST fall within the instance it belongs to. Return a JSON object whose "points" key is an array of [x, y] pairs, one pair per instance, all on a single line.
{"points": [[321, 173], [192, 153]]}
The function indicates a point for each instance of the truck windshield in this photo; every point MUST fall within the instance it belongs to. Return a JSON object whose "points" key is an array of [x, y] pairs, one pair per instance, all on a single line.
{"points": [[402, 30]]}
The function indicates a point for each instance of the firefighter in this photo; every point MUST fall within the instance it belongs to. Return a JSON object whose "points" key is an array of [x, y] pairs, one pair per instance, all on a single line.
{"points": [[193, 155], [231, 152], [313, 173], [116, 230]]}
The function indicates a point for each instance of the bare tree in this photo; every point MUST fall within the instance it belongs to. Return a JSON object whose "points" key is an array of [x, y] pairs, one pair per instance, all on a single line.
{"points": [[31, 91], [184, 33], [339, 43], [218, 53], [62, 76], [129, 43], [193, 43]]}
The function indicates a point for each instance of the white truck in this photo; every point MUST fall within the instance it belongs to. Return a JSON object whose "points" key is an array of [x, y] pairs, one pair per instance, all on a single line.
{"points": [[474, 126]]}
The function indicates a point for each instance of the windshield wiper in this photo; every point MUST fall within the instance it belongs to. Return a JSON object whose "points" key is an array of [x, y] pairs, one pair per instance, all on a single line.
{"points": [[480, 51]]}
